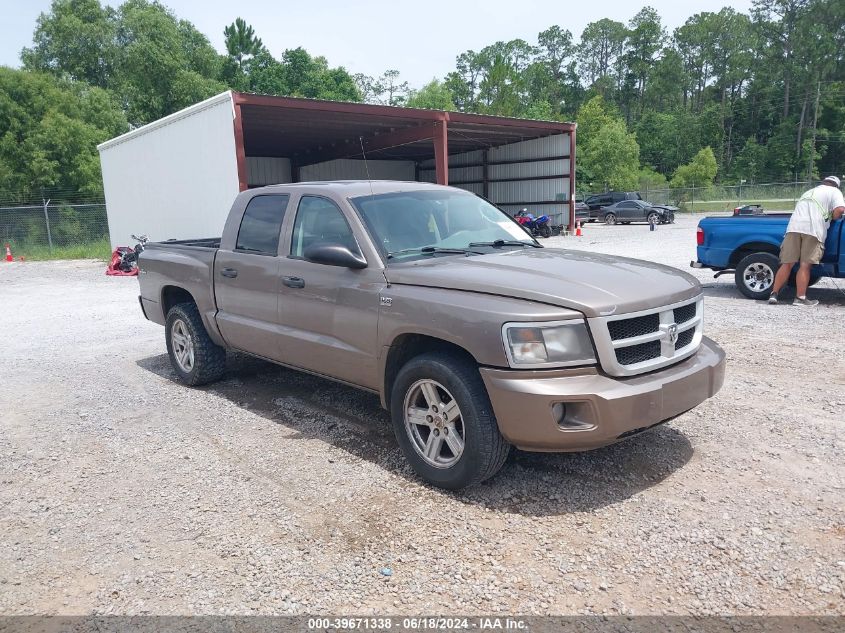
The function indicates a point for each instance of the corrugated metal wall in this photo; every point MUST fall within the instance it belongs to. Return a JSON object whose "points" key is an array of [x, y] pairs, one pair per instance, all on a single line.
{"points": [[530, 182], [264, 170], [348, 169]]}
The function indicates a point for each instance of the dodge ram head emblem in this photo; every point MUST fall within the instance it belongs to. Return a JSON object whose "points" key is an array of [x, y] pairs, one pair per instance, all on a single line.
{"points": [[672, 333]]}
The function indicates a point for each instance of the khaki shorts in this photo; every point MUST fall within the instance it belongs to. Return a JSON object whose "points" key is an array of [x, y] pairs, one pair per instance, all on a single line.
{"points": [[799, 247]]}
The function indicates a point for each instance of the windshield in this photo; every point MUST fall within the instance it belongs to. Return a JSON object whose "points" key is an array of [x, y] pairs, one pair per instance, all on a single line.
{"points": [[404, 223]]}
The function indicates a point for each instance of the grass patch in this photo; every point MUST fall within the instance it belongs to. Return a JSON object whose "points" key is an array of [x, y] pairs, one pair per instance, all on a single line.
{"points": [[100, 249]]}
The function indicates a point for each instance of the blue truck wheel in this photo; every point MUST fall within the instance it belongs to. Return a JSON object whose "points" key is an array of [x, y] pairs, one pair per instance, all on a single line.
{"points": [[755, 275]]}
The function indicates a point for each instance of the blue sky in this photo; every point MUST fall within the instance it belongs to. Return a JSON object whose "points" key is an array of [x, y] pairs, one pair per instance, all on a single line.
{"points": [[420, 39]]}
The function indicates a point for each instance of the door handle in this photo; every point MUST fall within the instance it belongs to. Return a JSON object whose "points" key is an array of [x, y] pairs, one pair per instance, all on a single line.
{"points": [[229, 272], [293, 282]]}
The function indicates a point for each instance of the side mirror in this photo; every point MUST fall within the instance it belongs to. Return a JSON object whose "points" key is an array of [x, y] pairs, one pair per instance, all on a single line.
{"points": [[334, 255]]}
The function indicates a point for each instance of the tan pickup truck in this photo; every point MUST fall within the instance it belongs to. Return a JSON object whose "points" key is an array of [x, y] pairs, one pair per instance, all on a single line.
{"points": [[475, 337]]}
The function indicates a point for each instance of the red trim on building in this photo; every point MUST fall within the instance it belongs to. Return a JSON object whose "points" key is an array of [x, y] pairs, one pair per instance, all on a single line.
{"points": [[240, 152], [572, 177], [441, 153]]}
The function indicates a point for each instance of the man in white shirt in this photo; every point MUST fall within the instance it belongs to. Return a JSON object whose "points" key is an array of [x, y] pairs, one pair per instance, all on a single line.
{"points": [[805, 236]]}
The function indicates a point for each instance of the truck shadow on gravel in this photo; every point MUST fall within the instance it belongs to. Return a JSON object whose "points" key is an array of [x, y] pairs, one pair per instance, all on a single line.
{"points": [[532, 484]]}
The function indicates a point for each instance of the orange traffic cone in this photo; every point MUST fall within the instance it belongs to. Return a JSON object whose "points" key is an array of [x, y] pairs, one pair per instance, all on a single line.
{"points": [[578, 228], [9, 257]]}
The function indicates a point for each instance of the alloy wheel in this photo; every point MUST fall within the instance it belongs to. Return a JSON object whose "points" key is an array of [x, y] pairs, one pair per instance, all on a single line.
{"points": [[434, 424], [183, 345]]}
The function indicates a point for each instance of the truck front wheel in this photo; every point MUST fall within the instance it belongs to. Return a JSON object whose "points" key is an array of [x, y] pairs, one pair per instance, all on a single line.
{"points": [[196, 359], [755, 275], [444, 422]]}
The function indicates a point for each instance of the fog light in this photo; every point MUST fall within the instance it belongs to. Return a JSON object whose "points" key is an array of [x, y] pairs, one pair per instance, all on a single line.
{"points": [[572, 416]]}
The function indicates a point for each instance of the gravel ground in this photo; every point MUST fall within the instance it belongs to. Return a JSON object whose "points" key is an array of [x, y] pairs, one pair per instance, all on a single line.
{"points": [[273, 492]]}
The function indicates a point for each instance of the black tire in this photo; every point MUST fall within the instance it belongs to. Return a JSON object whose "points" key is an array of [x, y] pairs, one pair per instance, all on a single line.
{"points": [[814, 279], [484, 448], [653, 218], [610, 218], [545, 231], [208, 360], [755, 275]]}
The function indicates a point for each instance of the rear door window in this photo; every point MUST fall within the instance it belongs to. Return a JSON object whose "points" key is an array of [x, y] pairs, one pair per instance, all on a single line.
{"points": [[262, 224]]}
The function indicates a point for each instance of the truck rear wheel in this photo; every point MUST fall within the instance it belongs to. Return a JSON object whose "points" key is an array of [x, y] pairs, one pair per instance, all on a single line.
{"points": [[444, 422], [196, 359], [755, 275]]}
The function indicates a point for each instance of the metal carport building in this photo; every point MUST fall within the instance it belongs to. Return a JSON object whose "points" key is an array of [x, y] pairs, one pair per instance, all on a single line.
{"points": [[176, 177]]}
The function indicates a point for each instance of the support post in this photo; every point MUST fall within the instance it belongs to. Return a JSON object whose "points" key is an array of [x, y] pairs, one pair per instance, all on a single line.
{"points": [[441, 153], [572, 180], [485, 174], [240, 153], [47, 222]]}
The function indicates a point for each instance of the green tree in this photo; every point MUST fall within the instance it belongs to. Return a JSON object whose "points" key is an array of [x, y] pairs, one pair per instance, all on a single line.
{"points": [[750, 163], [50, 130], [649, 179], [644, 42], [592, 117], [155, 74], [304, 76], [76, 39], [241, 41], [434, 95], [612, 157], [602, 45], [700, 172]]}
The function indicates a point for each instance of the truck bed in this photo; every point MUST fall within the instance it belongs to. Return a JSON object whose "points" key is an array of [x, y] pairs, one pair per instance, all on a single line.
{"points": [[205, 242], [186, 264]]}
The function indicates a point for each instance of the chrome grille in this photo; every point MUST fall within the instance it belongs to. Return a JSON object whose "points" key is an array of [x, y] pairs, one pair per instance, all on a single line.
{"points": [[634, 343], [684, 338], [629, 328], [638, 353], [684, 313]]}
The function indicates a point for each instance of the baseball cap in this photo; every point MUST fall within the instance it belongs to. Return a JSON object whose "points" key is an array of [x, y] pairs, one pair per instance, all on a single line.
{"points": [[832, 179]]}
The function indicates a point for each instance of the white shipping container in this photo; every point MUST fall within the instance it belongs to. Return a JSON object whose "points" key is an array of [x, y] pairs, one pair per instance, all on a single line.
{"points": [[174, 178]]}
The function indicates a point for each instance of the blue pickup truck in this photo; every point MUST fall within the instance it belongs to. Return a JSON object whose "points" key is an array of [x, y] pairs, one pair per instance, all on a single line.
{"points": [[748, 246]]}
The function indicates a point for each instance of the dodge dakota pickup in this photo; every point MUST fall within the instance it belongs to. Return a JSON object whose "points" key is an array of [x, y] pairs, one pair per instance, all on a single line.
{"points": [[475, 337], [748, 246]]}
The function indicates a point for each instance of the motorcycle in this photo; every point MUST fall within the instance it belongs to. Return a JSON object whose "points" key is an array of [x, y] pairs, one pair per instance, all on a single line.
{"points": [[124, 259], [539, 226]]}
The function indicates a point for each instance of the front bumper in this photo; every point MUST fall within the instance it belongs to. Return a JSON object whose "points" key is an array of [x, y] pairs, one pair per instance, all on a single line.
{"points": [[600, 410]]}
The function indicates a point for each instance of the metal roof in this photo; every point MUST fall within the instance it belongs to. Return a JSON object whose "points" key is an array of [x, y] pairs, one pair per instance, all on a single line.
{"points": [[312, 130]]}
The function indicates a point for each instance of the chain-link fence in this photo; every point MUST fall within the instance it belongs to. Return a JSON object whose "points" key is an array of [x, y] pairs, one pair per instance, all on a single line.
{"points": [[47, 224], [771, 196]]}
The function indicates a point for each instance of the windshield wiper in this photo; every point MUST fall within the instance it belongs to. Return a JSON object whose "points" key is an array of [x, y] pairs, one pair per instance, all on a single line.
{"points": [[498, 243], [430, 250]]}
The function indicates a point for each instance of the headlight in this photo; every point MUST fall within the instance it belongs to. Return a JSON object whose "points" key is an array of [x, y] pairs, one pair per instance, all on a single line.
{"points": [[549, 344]]}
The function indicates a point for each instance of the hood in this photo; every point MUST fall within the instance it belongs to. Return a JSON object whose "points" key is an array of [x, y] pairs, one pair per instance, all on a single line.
{"points": [[665, 207], [594, 284]]}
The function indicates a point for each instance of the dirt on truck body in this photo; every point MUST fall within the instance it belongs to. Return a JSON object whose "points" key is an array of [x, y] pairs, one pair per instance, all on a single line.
{"points": [[475, 337]]}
